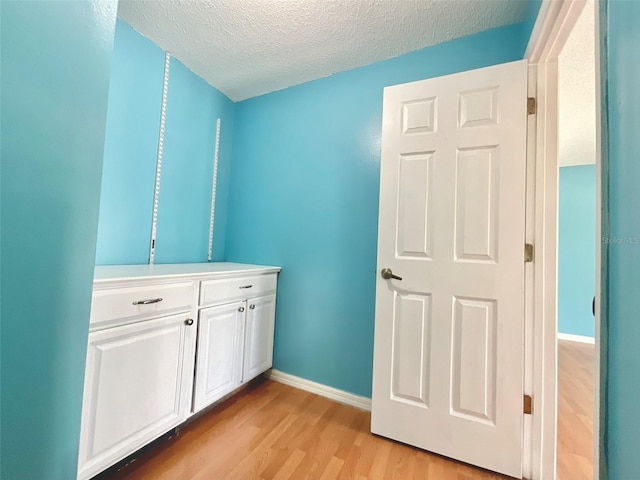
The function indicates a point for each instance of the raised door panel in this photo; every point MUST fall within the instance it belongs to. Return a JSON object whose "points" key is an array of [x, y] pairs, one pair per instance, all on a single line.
{"points": [[411, 338], [137, 387], [473, 386], [413, 229], [219, 362], [258, 351]]}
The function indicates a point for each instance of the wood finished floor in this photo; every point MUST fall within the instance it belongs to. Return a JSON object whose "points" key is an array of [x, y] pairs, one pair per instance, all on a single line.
{"points": [[576, 375], [272, 431]]}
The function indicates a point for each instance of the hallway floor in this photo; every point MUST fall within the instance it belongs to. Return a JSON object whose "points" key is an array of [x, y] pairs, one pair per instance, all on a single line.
{"points": [[576, 374]]}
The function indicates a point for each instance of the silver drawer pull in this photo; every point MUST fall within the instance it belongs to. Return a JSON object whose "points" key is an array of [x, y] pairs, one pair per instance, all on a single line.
{"points": [[147, 302], [252, 307], [245, 286]]}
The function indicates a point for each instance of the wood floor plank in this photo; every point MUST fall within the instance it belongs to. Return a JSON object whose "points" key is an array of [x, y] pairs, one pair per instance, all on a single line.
{"points": [[286, 469], [272, 431], [332, 469]]}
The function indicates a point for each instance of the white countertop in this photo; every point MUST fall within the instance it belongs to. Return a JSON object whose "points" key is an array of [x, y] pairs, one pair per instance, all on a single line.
{"points": [[109, 273]]}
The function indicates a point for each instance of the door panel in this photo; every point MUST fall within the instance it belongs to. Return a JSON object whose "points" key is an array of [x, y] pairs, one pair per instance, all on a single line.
{"points": [[478, 107], [474, 366], [448, 359], [418, 116], [411, 339], [413, 229], [477, 197]]}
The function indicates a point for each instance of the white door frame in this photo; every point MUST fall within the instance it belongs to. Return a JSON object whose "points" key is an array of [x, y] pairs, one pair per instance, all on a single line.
{"points": [[553, 26]]}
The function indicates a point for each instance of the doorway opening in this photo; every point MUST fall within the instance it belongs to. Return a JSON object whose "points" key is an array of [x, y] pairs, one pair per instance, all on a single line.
{"points": [[576, 248], [564, 59]]}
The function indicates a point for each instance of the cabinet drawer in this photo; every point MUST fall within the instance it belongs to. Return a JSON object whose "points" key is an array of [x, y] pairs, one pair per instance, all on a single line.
{"points": [[216, 291], [128, 304]]}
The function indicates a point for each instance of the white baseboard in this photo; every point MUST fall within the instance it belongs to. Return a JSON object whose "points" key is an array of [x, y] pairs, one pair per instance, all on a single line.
{"points": [[576, 338], [363, 403]]}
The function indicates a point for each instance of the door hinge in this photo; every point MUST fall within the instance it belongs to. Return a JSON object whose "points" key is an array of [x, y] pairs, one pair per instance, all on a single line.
{"points": [[527, 405], [528, 253], [531, 106]]}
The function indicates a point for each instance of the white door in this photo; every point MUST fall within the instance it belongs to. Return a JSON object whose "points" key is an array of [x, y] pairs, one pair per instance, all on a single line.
{"points": [[219, 358], [448, 359], [138, 386], [258, 350]]}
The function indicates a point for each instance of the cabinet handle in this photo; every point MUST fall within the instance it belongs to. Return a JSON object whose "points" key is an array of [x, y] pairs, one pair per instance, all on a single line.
{"points": [[147, 302], [241, 309], [245, 286], [252, 307], [188, 321]]}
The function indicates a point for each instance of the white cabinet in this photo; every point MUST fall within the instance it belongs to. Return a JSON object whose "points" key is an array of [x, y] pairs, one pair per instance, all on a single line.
{"points": [[219, 359], [258, 346], [151, 327], [137, 386], [235, 345]]}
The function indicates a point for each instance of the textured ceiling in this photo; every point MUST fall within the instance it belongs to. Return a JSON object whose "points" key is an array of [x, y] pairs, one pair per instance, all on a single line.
{"points": [[577, 93], [250, 47]]}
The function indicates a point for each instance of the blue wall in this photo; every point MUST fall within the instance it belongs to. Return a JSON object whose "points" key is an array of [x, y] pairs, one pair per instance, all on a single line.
{"points": [[187, 168], [577, 250], [55, 59], [304, 195], [133, 125], [131, 149], [530, 17], [622, 432]]}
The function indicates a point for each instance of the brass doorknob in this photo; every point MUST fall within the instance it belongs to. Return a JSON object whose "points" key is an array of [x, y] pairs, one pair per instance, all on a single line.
{"points": [[387, 274]]}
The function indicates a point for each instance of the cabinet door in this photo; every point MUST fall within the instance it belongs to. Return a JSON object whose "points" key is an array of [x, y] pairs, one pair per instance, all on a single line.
{"points": [[258, 347], [219, 358], [138, 383]]}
